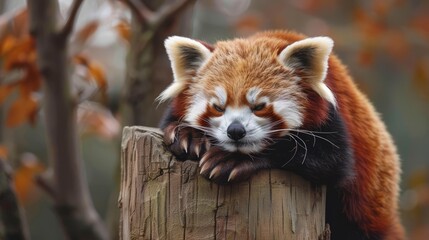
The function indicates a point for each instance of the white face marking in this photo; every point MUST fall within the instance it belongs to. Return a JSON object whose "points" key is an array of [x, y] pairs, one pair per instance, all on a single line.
{"points": [[221, 95], [197, 108], [252, 142], [252, 95], [257, 128], [289, 110]]}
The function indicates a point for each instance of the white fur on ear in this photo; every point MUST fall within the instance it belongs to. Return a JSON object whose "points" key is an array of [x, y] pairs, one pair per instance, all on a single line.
{"points": [[325, 92], [311, 55], [186, 57]]}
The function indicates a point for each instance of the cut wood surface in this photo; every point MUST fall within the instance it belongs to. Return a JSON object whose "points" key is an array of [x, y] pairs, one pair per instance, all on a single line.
{"points": [[161, 198]]}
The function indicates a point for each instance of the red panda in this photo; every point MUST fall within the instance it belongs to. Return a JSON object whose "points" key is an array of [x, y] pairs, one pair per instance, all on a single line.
{"points": [[282, 100]]}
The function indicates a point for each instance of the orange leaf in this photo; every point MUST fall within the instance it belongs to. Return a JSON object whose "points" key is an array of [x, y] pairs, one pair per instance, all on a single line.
{"points": [[420, 24], [24, 177], [94, 118], [20, 55], [3, 152], [19, 24], [95, 70], [81, 59], [23, 109], [309, 5], [7, 44], [5, 90], [366, 57], [31, 81], [14, 23], [397, 46], [248, 24], [421, 78], [123, 30], [381, 8], [370, 27], [86, 32]]}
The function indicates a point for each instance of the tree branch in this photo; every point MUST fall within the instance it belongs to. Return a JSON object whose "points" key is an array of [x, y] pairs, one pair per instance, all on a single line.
{"points": [[45, 183], [39, 15], [68, 26], [170, 10], [12, 215], [143, 14], [154, 19], [73, 204], [2, 6]]}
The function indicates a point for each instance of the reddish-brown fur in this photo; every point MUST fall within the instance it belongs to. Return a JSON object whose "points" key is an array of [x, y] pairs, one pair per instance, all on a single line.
{"points": [[371, 197]]}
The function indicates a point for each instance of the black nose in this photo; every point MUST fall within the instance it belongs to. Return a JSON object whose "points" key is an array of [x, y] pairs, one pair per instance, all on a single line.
{"points": [[236, 131]]}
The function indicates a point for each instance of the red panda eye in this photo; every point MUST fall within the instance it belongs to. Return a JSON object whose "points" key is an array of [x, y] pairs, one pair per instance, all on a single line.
{"points": [[218, 108], [259, 107]]}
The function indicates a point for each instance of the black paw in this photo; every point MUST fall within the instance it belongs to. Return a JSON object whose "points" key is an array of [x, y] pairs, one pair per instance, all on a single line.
{"points": [[185, 143], [223, 167]]}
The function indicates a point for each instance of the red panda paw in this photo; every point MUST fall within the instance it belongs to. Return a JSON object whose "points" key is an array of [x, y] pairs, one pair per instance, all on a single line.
{"points": [[224, 167], [185, 143]]}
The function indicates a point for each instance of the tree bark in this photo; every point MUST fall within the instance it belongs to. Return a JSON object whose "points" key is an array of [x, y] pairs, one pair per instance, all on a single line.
{"points": [[161, 198], [148, 70], [12, 219], [70, 192], [2, 6]]}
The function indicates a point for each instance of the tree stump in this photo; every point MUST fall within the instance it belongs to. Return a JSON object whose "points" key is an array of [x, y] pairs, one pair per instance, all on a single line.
{"points": [[161, 198]]}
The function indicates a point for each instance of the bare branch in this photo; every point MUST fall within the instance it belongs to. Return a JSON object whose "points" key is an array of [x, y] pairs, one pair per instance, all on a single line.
{"points": [[170, 10], [68, 26], [2, 6], [73, 203], [12, 215], [154, 19], [39, 15], [143, 14], [44, 181]]}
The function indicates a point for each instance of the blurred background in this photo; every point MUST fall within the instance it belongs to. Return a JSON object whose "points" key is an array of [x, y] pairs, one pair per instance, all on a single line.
{"points": [[384, 43]]}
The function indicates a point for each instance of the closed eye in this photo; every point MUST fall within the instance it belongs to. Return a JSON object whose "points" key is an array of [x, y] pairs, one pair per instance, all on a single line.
{"points": [[259, 107], [218, 108]]}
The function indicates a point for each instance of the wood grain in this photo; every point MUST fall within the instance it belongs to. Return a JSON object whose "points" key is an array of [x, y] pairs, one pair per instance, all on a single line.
{"points": [[161, 198]]}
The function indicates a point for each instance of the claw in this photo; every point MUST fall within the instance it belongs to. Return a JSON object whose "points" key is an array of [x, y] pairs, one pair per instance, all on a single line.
{"points": [[215, 172], [208, 144], [203, 160], [197, 150], [184, 145], [204, 168], [172, 136], [232, 175]]}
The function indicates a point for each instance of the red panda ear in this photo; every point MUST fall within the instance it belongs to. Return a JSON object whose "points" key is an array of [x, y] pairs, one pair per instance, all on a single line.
{"points": [[310, 57], [186, 57]]}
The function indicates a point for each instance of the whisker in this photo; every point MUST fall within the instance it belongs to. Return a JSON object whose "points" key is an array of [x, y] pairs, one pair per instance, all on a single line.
{"points": [[308, 132], [320, 137], [296, 150], [305, 147]]}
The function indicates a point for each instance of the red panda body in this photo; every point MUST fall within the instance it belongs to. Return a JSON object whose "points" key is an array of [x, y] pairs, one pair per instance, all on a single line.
{"points": [[281, 100]]}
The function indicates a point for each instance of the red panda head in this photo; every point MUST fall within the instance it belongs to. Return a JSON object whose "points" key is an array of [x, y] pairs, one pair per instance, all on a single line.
{"points": [[247, 92]]}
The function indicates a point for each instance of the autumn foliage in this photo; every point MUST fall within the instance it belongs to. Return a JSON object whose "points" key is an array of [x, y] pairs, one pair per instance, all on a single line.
{"points": [[21, 83], [17, 53], [384, 43], [21, 78]]}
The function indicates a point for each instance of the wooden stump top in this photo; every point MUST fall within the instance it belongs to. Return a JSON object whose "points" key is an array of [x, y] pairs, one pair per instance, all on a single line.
{"points": [[161, 198]]}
